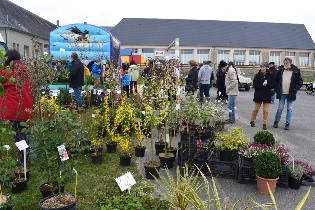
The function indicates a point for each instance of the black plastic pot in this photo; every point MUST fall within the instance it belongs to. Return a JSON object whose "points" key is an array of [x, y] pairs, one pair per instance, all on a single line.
{"points": [[71, 206], [166, 162], [125, 161], [111, 147], [97, 159], [151, 171], [227, 155], [294, 183], [20, 185], [159, 147], [140, 151]]}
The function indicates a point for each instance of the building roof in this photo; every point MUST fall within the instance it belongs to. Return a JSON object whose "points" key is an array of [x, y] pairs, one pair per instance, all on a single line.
{"points": [[108, 28], [17, 18], [212, 33]]}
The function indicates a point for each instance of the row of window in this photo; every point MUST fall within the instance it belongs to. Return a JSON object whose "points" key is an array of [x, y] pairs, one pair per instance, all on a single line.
{"points": [[238, 56], [26, 50]]}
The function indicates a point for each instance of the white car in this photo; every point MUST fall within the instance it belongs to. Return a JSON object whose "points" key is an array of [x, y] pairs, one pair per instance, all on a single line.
{"points": [[244, 82]]}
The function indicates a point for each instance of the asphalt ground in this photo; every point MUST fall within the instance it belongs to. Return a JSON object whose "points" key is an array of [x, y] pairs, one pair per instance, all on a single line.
{"points": [[300, 140]]}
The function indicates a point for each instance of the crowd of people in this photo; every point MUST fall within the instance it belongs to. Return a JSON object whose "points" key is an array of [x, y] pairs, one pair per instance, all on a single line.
{"points": [[269, 83]]}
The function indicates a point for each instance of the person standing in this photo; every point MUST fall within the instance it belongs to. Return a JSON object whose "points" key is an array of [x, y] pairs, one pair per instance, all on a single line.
{"points": [[273, 71], [126, 82], [204, 76], [263, 84], [16, 101], [231, 84], [134, 73], [192, 77], [220, 84], [288, 82], [76, 78]]}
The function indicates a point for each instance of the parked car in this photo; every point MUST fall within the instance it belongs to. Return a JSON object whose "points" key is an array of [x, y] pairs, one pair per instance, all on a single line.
{"points": [[244, 82]]}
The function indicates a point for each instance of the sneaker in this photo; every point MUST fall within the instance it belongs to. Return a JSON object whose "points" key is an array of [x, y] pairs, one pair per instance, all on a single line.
{"points": [[287, 127], [275, 124], [252, 123], [264, 126]]}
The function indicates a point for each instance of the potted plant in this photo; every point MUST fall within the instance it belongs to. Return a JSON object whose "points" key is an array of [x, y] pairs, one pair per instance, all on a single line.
{"points": [[228, 144], [125, 156], [139, 134], [166, 158], [97, 151], [151, 167], [295, 175], [264, 137], [62, 129], [268, 169], [64, 97], [309, 171]]}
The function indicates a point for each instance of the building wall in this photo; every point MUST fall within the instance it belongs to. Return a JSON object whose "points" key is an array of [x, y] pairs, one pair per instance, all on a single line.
{"points": [[17, 40]]}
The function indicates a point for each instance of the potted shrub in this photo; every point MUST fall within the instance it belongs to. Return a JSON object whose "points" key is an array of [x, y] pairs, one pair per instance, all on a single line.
{"points": [[97, 151], [151, 167], [60, 129], [309, 171], [125, 156], [139, 134], [228, 144], [295, 175], [264, 137], [268, 169], [64, 97]]}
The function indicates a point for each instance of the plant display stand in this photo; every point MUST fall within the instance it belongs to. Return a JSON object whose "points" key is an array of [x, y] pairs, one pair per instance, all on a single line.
{"points": [[246, 173], [227, 169]]}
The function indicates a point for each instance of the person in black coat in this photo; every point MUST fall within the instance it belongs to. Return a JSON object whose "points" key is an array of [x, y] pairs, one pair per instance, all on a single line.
{"points": [[76, 78], [273, 70], [288, 82], [263, 83], [220, 84], [192, 78]]}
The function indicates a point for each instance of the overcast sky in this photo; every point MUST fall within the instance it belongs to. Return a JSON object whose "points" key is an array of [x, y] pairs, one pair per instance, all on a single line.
{"points": [[111, 12]]}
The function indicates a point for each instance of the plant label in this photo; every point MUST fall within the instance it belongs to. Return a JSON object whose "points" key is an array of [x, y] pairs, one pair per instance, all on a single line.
{"points": [[6, 147], [94, 91], [93, 115], [143, 112], [118, 91], [177, 106], [21, 145], [109, 90], [99, 92], [137, 120], [63, 154], [71, 90], [168, 138], [125, 181]]}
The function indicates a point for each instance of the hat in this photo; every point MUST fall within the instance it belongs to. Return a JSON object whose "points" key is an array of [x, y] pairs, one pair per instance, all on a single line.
{"points": [[222, 64], [264, 64], [273, 63]]}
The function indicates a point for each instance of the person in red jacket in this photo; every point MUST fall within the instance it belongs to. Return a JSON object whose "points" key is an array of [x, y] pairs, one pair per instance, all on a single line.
{"points": [[16, 102]]}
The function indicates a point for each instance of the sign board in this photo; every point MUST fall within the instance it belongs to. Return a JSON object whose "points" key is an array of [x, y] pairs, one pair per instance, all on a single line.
{"points": [[21, 145], [125, 181], [159, 53]]}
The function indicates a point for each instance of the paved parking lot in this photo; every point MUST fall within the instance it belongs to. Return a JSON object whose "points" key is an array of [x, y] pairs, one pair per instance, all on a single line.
{"points": [[299, 139]]}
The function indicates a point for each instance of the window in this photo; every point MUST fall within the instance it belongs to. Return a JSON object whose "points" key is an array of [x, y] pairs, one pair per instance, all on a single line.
{"points": [[254, 57], [304, 58], [239, 57], [134, 51], [45, 48], [275, 57], [202, 55], [186, 55], [36, 53], [290, 55], [14, 46], [223, 55], [26, 51], [148, 53], [18, 47], [172, 54]]}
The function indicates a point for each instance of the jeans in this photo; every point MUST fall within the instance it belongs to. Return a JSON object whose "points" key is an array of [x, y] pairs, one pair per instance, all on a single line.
{"points": [[273, 95], [133, 85], [231, 107], [204, 89], [77, 93], [282, 100]]}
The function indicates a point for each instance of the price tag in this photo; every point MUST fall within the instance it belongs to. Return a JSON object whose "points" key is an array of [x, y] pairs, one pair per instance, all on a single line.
{"points": [[71, 90], [6, 147], [21, 145], [177, 106], [125, 181], [63, 154]]}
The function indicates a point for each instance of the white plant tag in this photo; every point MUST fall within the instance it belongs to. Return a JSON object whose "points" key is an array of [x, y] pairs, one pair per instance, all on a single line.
{"points": [[21, 145], [125, 181], [63, 154], [71, 90]]}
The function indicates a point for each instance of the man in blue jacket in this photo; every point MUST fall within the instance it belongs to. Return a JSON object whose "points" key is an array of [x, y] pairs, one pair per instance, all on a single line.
{"points": [[288, 82]]}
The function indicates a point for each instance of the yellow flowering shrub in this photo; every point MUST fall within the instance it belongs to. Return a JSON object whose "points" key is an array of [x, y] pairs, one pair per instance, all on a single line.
{"points": [[231, 141]]}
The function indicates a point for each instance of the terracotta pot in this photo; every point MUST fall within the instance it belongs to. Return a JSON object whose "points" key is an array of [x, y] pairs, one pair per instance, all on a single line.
{"points": [[262, 185]]}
